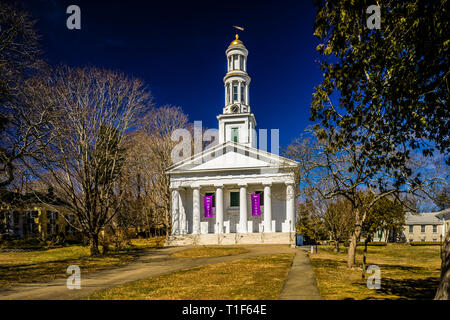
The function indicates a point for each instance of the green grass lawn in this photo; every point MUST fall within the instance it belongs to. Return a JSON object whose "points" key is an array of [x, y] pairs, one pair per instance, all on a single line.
{"points": [[249, 279], [407, 272], [208, 252], [34, 266]]}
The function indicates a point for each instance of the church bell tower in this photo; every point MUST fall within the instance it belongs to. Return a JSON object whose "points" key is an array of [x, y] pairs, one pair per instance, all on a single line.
{"points": [[237, 123]]}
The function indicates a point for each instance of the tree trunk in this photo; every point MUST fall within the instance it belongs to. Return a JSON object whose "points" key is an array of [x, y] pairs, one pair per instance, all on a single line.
{"points": [[366, 241], [93, 240], [443, 292], [351, 259], [336, 246]]}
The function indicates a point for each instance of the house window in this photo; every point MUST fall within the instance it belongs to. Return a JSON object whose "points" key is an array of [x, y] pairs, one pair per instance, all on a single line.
{"points": [[261, 197], [422, 228], [213, 198], [235, 134], [411, 229], [434, 228], [234, 199]]}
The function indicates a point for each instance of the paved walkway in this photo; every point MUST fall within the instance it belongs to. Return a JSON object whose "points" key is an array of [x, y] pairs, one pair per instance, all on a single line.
{"points": [[301, 282], [153, 262]]}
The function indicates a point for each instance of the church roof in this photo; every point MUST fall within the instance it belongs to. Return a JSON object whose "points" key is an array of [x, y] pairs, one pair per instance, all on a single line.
{"points": [[231, 156]]}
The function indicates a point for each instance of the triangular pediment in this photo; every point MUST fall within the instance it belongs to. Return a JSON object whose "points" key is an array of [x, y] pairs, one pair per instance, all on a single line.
{"points": [[231, 156]]}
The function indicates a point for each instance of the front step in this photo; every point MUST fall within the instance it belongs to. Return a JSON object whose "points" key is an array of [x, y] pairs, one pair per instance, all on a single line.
{"points": [[231, 238]]}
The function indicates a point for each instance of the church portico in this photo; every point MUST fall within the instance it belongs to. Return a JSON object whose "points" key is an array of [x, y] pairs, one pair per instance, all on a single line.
{"points": [[229, 216], [233, 192]]}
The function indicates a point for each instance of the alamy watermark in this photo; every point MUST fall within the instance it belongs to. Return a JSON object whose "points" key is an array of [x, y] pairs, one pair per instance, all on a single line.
{"points": [[374, 19], [196, 142], [74, 20], [374, 280], [74, 280]]}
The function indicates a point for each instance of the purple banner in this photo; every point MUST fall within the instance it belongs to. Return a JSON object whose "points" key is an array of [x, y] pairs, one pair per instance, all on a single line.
{"points": [[207, 202], [256, 209]]}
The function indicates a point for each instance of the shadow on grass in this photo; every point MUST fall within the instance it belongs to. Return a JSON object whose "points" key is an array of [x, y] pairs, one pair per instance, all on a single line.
{"points": [[407, 289]]}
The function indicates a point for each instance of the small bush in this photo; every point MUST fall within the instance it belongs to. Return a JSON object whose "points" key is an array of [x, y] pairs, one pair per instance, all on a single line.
{"points": [[424, 243], [369, 244], [31, 243]]}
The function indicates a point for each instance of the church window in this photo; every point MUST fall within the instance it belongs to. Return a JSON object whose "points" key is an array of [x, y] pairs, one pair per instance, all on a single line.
{"points": [[234, 199], [235, 92], [241, 61], [213, 198], [242, 94], [261, 197], [235, 135]]}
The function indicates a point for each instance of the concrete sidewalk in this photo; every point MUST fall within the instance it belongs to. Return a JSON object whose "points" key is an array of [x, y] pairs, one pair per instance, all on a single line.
{"points": [[152, 263], [301, 282]]}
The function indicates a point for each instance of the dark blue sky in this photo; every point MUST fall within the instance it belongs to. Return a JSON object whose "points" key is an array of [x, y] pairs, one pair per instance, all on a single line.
{"points": [[178, 48]]}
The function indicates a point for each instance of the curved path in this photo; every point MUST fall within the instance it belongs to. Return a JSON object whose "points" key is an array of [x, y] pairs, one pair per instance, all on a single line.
{"points": [[150, 263]]}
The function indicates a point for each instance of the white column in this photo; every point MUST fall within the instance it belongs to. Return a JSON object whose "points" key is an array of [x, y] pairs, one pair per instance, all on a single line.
{"points": [[239, 91], [226, 102], [267, 208], [182, 211], [243, 226], [247, 100], [175, 212], [444, 225], [196, 211], [219, 208], [290, 206]]}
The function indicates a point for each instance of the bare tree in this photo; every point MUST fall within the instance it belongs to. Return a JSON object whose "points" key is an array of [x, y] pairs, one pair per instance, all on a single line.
{"points": [[345, 172], [19, 60], [159, 127], [83, 156], [339, 220]]}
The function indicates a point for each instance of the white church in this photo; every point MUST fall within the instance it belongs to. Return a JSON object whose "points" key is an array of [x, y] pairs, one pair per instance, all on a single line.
{"points": [[233, 192]]}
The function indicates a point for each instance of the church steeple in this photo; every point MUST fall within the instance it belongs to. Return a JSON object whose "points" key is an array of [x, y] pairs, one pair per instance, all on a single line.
{"points": [[236, 80], [237, 123]]}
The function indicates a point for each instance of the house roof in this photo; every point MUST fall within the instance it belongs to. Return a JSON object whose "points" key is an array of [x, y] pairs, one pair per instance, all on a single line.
{"points": [[422, 218], [19, 200], [230, 156]]}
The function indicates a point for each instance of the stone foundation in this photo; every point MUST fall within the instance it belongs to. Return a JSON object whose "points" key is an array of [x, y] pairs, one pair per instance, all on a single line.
{"points": [[231, 238]]}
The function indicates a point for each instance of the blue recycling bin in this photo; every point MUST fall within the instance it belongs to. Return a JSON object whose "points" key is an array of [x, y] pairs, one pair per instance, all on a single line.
{"points": [[300, 240]]}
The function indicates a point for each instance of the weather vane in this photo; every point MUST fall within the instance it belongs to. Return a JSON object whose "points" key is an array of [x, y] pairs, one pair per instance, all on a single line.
{"points": [[238, 28]]}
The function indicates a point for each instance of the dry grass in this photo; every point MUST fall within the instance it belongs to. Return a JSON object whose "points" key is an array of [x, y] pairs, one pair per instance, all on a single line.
{"points": [[35, 266], [208, 252], [249, 279], [407, 272]]}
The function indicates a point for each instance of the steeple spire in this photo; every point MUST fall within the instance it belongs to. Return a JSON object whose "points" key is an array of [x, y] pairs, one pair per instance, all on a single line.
{"points": [[237, 123], [236, 80]]}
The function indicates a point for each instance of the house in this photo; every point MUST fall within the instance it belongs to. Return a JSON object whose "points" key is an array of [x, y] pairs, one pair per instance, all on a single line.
{"points": [[426, 226], [34, 215], [233, 192]]}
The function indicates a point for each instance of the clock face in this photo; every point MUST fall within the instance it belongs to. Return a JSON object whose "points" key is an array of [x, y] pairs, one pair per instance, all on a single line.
{"points": [[235, 109]]}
